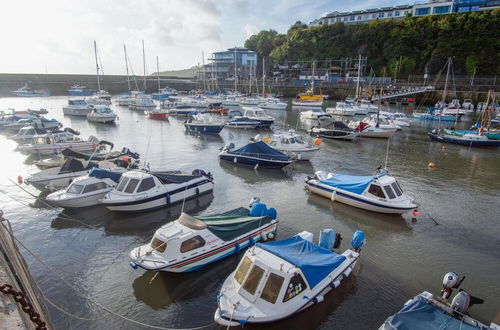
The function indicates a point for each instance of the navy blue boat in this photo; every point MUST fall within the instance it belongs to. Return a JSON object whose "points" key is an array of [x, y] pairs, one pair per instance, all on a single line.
{"points": [[203, 123], [471, 141], [255, 154]]}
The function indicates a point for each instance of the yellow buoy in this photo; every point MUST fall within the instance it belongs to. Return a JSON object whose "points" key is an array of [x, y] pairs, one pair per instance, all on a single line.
{"points": [[431, 165], [266, 139]]}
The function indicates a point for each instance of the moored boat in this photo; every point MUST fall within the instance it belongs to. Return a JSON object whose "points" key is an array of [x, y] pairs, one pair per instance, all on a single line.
{"points": [[237, 120], [101, 114], [257, 154], [330, 128], [53, 143], [292, 144], [275, 280], [378, 193], [80, 90], [203, 123], [258, 114], [26, 91], [77, 107], [192, 242], [312, 114]]}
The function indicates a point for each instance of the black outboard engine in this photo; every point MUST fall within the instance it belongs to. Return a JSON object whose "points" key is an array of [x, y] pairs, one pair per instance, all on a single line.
{"points": [[229, 146], [198, 172]]}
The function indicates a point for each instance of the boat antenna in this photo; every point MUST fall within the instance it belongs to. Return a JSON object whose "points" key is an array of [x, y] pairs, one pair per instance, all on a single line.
{"points": [[144, 64], [158, 73], [97, 66]]}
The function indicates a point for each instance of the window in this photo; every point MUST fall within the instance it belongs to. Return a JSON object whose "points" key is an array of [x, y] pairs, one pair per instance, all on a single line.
{"points": [[299, 139], [389, 14], [291, 140], [422, 11], [406, 12], [463, 9], [381, 15], [253, 279], [396, 189], [351, 18], [376, 191], [241, 272], [441, 10], [158, 245], [374, 15], [272, 288], [75, 189], [345, 19], [389, 192], [396, 13], [192, 244], [123, 183], [93, 187], [474, 8], [295, 287], [131, 186], [146, 184], [360, 17], [284, 141], [338, 19], [399, 186]]}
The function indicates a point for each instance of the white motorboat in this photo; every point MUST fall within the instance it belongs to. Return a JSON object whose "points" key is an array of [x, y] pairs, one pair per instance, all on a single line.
{"points": [[97, 100], [192, 242], [367, 130], [250, 101], [237, 120], [142, 103], [430, 312], [382, 122], [292, 144], [77, 107], [86, 190], [182, 110], [60, 177], [101, 114], [365, 106], [126, 98], [331, 128], [38, 122], [141, 191], [312, 113], [275, 280], [258, 114], [378, 193], [342, 109], [468, 105], [53, 143], [103, 95], [272, 103], [203, 123], [29, 132], [398, 118]]}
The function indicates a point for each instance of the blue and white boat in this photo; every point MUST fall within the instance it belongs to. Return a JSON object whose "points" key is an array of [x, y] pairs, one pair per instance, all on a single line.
{"points": [[164, 94], [257, 154], [378, 193], [192, 242], [80, 90], [466, 139], [237, 120], [203, 122], [26, 91], [257, 114], [278, 279], [433, 114], [428, 312]]}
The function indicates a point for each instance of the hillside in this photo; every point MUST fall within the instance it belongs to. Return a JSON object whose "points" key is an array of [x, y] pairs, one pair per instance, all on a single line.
{"points": [[186, 73]]}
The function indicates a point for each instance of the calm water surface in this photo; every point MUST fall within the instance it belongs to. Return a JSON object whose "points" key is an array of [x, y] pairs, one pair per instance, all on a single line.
{"points": [[458, 229]]}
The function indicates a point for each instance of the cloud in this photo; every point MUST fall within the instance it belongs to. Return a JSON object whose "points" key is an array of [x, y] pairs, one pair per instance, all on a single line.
{"points": [[250, 30]]}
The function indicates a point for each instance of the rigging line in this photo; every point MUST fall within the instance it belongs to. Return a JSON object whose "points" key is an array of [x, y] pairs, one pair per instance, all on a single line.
{"points": [[90, 299]]}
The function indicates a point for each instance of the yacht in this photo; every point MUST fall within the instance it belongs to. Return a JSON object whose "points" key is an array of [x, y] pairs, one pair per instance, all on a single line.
{"points": [[312, 113], [101, 114], [142, 103], [258, 114]]}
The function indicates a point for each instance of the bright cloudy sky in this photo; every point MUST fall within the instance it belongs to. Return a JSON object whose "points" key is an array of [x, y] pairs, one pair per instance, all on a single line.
{"points": [[57, 35]]}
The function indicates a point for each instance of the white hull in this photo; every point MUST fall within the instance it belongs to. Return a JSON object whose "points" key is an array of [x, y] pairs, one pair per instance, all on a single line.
{"points": [[53, 182], [304, 154], [79, 201], [81, 112], [57, 148], [101, 119], [378, 134], [307, 104]]}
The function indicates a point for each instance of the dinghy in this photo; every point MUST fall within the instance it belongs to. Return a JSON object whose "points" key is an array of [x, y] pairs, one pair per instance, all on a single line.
{"points": [[257, 154], [192, 242], [142, 191], [86, 190], [429, 312], [378, 193], [278, 279]]}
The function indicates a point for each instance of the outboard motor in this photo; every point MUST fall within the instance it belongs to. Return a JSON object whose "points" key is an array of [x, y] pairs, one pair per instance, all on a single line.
{"points": [[228, 147], [450, 281], [253, 201], [461, 302], [358, 240]]}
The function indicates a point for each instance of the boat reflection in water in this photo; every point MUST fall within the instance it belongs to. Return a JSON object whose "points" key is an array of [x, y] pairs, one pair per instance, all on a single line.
{"points": [[128, 223]]}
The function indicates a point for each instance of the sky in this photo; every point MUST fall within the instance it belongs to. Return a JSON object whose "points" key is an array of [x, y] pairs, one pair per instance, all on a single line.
{"points": [[56, 36]]}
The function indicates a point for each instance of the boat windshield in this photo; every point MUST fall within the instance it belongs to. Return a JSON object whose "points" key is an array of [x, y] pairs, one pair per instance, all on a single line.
{"points": [[158, 245], [375, 190], [131, 186], [272, 288], [397, 188], [123, 183], [298, 139], [94, 186], [253, 279], [241, 272], [75, 189], [389, 192]]}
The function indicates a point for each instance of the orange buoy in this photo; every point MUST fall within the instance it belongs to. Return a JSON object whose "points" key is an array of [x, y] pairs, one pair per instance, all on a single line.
{"points": [[431, 165], [317, 141], [443, 148], [415, 213], [126, 159], [20, 179]]}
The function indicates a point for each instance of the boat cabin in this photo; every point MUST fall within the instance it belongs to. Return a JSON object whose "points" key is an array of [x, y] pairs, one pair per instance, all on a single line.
{"points": [[77, 103], [255, 112], [286, 139], [87, 185], [385, 187]]}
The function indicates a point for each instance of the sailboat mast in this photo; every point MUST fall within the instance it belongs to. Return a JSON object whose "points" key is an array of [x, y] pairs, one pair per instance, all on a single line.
{"points": [[263, 75], [312, 78], [359, 76], [204, 73], [444, 91], [235, 69], [144, 64], [126, 66], [97, 67], [158, 72]]}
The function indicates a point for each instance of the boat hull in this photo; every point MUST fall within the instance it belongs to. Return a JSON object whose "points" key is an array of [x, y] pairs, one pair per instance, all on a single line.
{"points": [[303, 103], [54, 182], [380, 134], [335, 134], [81, 93], [205, 129], [78, 202], [252, 161], [465, 142], [102, 119], [355, 200], [81, 112]]}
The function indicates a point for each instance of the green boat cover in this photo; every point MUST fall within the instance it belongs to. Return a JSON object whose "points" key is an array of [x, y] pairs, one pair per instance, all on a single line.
{"points": [[231, 224]]}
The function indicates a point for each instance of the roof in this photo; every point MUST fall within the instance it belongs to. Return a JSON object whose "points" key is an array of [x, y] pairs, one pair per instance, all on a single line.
{"points": [[418, 314], [352, 183], [100, 173], [260, 150], [314, 261]]}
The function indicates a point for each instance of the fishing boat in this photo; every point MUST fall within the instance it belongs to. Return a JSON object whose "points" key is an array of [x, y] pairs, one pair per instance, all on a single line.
{"points": [[272, 103], [430, 312], [312, 114], [77, 107], [158, 113], [237, 120], [258, 114], [292, 144], [140, 191], [192, 242], [257, 154], [276, 280], [101, 114], [330, 128], [53, 143], [203, 123], [468, 105], [27, 91], [80, 90], [378, 193], [342, 109], [86, 190], [369, 131]]}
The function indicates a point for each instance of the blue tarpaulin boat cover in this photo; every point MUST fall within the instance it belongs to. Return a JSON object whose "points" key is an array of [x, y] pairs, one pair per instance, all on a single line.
{"points": [[418, 314], [314, 261], [261, 150], [100, 173], [352, 183]]}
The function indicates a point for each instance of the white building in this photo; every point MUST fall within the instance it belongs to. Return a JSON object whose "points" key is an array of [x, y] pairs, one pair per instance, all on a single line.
{"points": [[435, 7]]}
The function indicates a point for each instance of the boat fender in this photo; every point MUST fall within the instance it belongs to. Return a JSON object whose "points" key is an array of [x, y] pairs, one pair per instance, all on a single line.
{"points": [[133, 265], [270, 235], [334, 194], [263, 236], [358, 239], [19, 179], [234, 160], [237, 248], [318, 299], [251, 241], [347, 272], [335, 284]]}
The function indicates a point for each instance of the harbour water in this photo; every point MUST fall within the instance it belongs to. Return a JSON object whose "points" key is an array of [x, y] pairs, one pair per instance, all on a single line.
{"points": [[458, 228]]}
